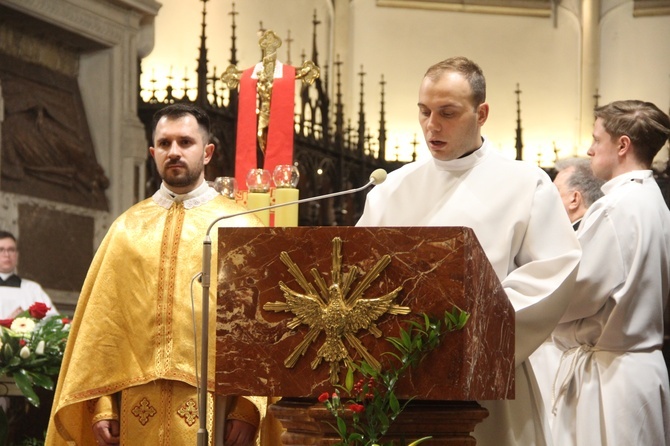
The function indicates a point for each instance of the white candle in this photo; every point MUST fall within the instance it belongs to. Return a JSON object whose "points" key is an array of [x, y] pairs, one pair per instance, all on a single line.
{"points": [[256, 200], [286, 216]]}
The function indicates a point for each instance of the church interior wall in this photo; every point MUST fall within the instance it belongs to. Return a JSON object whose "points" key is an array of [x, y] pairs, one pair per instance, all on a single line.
{"points": [[634, 62], [511, 50], [60, 217]]}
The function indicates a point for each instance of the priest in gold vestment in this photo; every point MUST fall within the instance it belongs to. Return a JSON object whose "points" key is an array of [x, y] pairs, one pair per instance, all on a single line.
{"points": [[128, 375]]}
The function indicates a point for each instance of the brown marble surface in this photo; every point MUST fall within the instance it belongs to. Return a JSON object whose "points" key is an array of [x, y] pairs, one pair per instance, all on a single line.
{"points": [[436, 267]]}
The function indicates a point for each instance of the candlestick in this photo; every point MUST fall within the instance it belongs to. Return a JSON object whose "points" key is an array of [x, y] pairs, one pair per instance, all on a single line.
{"points": [[226, 186]]}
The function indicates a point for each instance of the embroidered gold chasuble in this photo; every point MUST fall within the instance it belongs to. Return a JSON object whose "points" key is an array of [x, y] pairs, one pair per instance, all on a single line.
{"points": [[132, 341]]}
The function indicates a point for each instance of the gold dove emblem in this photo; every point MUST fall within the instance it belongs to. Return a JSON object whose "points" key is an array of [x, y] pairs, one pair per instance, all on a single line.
{"points": [[335, 311]]}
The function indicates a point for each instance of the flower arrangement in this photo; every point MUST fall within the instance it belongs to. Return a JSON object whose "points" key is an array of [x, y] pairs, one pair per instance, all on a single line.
{"points": [[371, 403], [31, 349]]}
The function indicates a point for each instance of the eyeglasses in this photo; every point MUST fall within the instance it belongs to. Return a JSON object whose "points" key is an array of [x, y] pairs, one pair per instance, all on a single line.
{"points": [[9, 251]]}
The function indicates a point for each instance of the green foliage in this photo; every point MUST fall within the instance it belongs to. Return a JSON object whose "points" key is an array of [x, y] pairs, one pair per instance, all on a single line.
{"points": [[33, 357], [372, 404]]}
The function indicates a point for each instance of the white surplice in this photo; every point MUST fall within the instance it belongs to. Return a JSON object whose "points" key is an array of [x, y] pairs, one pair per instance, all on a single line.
{"points": [[29, 293], [519, 220], [612, 386]]}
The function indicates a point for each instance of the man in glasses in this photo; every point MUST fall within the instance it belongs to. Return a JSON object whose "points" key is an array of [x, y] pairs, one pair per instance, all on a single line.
{"points": [[17, 294]]}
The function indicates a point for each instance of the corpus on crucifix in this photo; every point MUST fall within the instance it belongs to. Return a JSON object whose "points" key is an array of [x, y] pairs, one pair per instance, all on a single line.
{"points": [[265, 112]]}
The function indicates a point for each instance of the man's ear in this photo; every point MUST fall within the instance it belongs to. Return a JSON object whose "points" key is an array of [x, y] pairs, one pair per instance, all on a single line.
{"points": [[209, 151], [624, 145], [575, 200], [482, 113]]}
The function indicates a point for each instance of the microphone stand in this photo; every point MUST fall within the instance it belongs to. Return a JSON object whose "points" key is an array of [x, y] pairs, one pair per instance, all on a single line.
{"points": [[377, 177]]}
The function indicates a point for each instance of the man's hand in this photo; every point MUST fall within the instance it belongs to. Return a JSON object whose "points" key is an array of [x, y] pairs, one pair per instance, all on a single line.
{"points": [[239, 433], [106, 432]]}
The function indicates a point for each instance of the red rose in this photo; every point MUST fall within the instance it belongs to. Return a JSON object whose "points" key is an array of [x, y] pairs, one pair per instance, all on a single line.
{"points": [[38, 310], [6, 322], [358, 408], [22, 342], [65, 321], [323, 397]]}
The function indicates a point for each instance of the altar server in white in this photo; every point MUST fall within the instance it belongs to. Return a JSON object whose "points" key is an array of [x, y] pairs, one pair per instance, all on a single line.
{"points": [[612, 385], [17, 294], [515, 212]]}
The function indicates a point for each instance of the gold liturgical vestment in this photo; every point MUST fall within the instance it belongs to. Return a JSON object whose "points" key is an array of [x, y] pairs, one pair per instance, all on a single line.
{"points": [[132, 332]]}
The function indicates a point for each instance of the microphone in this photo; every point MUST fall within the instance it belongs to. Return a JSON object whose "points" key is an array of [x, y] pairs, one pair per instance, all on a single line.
{"points": [[376, 177]]}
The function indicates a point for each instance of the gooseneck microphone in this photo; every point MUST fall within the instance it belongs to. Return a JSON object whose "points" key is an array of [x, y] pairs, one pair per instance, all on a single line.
{"points": [[376, 177]]}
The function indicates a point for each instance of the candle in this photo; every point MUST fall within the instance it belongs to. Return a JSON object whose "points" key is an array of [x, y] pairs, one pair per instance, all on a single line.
{"points": [[286, 216], [256, 200]]}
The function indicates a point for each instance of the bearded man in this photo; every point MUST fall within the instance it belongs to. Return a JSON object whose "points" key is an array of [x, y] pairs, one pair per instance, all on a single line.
{"points": [[128, 375]]}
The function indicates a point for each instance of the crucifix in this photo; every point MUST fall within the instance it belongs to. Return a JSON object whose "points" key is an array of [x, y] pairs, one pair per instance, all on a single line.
{"points": [[263, 78]]}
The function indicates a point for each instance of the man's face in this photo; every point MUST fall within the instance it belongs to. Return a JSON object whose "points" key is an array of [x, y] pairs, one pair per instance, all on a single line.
{"points": [[180, 153], [603, 152], [450, 122], [9, 256]]}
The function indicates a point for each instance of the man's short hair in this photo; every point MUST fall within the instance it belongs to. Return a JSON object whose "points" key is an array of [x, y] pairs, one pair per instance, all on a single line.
{"points": [[7, 234], [582, 179], [643, 122], [175, 111], [470, 71]]}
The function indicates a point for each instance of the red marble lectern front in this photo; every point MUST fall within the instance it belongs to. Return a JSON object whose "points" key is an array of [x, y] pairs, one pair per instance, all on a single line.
{"points": [[435, 269]]}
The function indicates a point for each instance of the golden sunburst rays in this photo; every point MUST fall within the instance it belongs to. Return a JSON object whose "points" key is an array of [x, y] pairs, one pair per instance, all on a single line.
{"points": [[335, 311]]}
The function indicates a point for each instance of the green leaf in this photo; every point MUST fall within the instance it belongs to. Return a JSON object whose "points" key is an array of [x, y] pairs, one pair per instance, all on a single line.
{"points": [[406, 341], [25, 386], [41, 380], [367, 369], [393, 403], [349, 380], [7, 351], [341, 427]]}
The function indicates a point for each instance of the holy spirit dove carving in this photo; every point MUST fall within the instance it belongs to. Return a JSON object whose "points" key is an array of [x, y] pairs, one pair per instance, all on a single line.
{"points": [[335, 311]]}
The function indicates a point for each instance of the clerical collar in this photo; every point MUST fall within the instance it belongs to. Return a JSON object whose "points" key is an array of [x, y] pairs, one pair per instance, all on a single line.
{"points": [[634, 175], [202, 194], [10, 280], [465, 162], [4, 276]]}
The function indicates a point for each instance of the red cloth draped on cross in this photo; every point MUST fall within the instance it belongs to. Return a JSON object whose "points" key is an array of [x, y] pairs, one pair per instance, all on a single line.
{"points": [[279, 149]]}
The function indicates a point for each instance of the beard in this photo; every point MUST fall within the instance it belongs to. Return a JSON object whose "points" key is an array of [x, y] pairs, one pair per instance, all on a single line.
{"points": [[187, 177]]}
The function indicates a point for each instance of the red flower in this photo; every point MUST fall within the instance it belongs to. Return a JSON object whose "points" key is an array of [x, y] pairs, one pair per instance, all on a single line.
{"points": [[323, 397], [6, 322], [65, 321], [38, 310], [357, 408], [22, 342]]}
